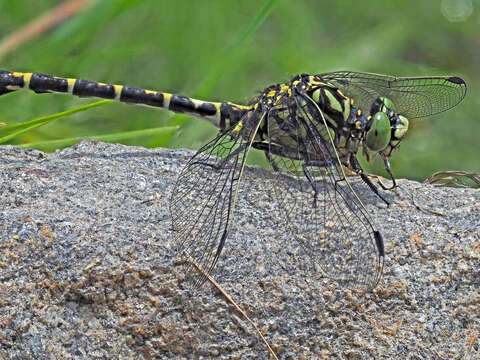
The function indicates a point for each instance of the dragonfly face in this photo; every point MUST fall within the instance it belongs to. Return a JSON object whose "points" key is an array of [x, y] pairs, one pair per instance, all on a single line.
{"points": [[385, 130]]}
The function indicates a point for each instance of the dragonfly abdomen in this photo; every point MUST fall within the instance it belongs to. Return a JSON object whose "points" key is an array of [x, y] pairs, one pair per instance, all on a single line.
{"points": [[214, 112]]}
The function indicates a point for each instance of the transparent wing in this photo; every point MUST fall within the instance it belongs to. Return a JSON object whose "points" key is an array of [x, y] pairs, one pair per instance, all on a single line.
{"points": [[203, 200], [413, 97], [323, 211]]}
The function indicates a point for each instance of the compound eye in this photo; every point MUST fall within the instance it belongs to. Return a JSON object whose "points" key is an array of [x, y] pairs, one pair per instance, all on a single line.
{"points": [[382, 104], [378, 136], [387, 103]]}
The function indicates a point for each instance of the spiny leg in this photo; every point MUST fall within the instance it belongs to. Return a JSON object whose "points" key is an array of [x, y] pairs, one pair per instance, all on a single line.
{"points": [[272, 161], [358, 169], [389, 171], [278, 150]]}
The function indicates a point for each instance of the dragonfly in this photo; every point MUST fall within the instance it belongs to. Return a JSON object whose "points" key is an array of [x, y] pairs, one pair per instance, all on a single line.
{"points": [[312, 129]]}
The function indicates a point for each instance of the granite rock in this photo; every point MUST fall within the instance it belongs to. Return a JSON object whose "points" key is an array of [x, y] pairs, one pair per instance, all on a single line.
{"points": [[88, 270]]}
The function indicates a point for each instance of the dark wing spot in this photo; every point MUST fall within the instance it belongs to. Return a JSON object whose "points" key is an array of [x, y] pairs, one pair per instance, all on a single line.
{"points": [[456, 80]]}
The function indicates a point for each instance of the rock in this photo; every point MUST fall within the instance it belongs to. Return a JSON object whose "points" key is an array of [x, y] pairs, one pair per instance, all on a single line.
{"points": [[88, 270]]}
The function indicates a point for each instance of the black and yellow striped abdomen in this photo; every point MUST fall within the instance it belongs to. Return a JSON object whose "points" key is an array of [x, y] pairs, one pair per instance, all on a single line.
{"points": [[219, 114]]}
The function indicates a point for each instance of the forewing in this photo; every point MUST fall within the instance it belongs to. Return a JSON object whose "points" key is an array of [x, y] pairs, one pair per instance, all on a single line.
{"points": [[333, 226], [203, 200], [413, 96]]}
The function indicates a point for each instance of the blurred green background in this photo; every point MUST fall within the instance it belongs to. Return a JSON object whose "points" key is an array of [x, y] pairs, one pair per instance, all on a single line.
{"points": [[179, 46]]}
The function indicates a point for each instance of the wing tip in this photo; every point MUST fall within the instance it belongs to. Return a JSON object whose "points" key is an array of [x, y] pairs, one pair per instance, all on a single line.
{"points": [[457, 80]]}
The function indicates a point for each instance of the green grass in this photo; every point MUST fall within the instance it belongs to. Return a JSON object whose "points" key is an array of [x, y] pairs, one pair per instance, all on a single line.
{"points": [[221, 50]]}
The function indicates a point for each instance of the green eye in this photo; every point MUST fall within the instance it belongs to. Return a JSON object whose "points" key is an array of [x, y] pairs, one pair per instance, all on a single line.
{"points": [[382, 104], [388, 103], [378, 136]]}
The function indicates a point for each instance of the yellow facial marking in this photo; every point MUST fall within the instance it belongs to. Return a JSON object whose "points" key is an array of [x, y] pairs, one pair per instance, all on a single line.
{"points": [[359, 112]]}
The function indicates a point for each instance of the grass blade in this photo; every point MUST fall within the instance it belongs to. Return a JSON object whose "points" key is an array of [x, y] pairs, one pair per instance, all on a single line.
{"points": [[224, 61], [43, 120]]}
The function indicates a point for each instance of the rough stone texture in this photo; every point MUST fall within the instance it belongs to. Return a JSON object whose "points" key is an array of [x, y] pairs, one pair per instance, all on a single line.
{"points": [[87, 270]]}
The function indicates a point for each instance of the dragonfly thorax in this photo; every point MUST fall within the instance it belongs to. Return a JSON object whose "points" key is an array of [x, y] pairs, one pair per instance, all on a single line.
{"points": [[348, 137]]}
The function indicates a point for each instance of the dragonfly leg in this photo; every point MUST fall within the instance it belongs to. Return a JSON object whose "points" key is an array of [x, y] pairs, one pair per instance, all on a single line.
{"points": [[389, 171], [358, 169], [266, 148], [310, 179], [272, 161], [279, 150]]}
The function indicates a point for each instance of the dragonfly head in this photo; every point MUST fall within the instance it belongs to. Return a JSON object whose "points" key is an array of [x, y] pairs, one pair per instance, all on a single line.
{"points": [[385, 129]]}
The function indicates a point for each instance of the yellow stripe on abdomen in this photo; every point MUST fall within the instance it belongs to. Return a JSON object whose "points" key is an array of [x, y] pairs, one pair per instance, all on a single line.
{"points": [[71, 84]]}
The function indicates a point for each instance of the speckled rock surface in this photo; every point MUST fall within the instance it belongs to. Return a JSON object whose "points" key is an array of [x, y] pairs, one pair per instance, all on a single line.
{"points": [[87, 270]]}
